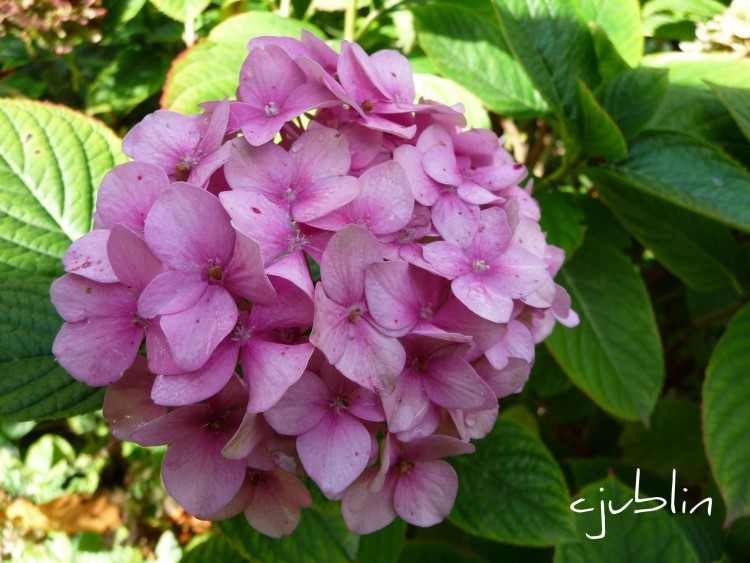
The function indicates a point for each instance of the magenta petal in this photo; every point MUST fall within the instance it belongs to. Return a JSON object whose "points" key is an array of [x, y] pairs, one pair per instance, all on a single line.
{"points": [[319, 153], [440, 164], [344, 261], [395, 74], [88, 258], [198, 477], [365, 511], [335, 451], [127, 194], [275, 509], [471, 193], [252, 431], [293, 268], [163, 138], [302, 407], [435, 447], [97, 351], [292, 308], [195, 333], [128, 404], [132, 260], [271, 369], [189, 388], [331, 327], [324, 196], [391, 297], [160, 297], [266, 169], [187, 227], [447, 259], [425, 190], [424, 496], [386, 202]]}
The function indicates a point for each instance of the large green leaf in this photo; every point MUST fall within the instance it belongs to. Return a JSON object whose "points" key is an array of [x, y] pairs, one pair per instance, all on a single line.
{"points": [[210, 70], [699, 251], [51, 162], [512, 490], [647, 536], [633, 97], [622, 22], [383, 546], [471, 51], [737, 101], [38, 388], [448, 92], [687, 172], [600, 136], [726, 420], [561, 219], [319, 538], [691, 69], [615, 354]]}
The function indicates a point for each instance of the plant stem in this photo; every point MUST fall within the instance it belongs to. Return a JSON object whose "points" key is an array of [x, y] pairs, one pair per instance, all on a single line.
{"points": [[350, 17], [285, 8]]}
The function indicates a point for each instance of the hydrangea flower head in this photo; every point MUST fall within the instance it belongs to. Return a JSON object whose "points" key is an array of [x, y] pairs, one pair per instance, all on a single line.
{"points": [[333, 281]]}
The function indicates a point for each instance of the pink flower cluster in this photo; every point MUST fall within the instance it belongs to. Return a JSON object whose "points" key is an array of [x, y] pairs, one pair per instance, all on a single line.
{"points": [[435, 282]]}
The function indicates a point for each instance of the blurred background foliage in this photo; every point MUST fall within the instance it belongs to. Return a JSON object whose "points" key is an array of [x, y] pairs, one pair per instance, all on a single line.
{"points": [[623, 154]]}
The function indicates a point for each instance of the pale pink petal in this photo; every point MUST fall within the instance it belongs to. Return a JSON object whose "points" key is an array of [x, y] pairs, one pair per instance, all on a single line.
{"points": [[320, 153], [88, 258], [425, 190], [344, 261], [483, 298], [408, 404], [132, 261], [177, 424], [386, 202], [331, 327], [292, 308], [395, 74], [335, 451], [77, 298], [252, 431], [435, 447], [324, 196], [163, 138], [447, 259], [439, 163], [452, 383], [474, 425], [270, 369], [245, 275], [455, 220], [506, 381], [472, 193], [266, 169], [160, 297]]}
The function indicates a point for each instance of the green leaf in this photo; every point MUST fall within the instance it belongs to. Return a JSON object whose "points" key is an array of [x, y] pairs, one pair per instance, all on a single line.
{"points": [[439, 552], [471, 51], [195, 76], [672, 441], [699, 251], [448, 92], [600, 136], [689, 173], [319, 538], [181, 10], [660, 13], [633, 97], [737, 101], [383, 546], [648, 536], [561, 220], [621, 21], [609, 61], [512, 490], [692, 69], [615, 354], [126, 81], [38, 388], [726, 423], [28, 321], [215, 548], [51, 162]]}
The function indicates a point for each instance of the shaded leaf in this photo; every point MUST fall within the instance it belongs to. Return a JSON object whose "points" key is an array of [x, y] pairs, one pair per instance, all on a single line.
{"points": [[615, 354], [181, 10], [512, 469], [726, 394], [621, 21], [737, 101], [600, 136]]}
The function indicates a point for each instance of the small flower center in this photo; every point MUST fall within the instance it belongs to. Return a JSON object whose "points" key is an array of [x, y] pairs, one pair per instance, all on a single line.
{"points": [[426, 312], [480, 266], [341, 402], [215, 274], [367, 106], [140, 321], [217, 423], [403, 467], [406, 235], [271, 109], [355, 311], [419, 364], [446, 189], [290, 194], [253, 478], [187, 163], [242, 333]]}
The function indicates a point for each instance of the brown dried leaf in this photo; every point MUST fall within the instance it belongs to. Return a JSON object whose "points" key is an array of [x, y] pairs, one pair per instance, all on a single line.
{"points": [[70, 513]]}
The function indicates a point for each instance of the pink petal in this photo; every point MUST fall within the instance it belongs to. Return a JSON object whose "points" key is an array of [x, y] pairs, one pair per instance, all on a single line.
{"points": [[364, 511], [386, 202], [344, 261], [423, 187], [266, 169], [472, 193], [189, 388], [483, 298], [408, 404], [163, 138], [175, 425], [455, 220], [447, 259], [198, 477], [302, 407], [195, 333], [127, 193], [270, 369], [245, 275], [292, 308], [97, 351], [424, 496], [319, 153], [452, 383], [396, 75], [77, 298], [435, 447], [132, 260], [335, 451], [160, 297], [88, 258], [252, 431], [275, 509], [187, 227], [324, 196], [439, 163]]}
